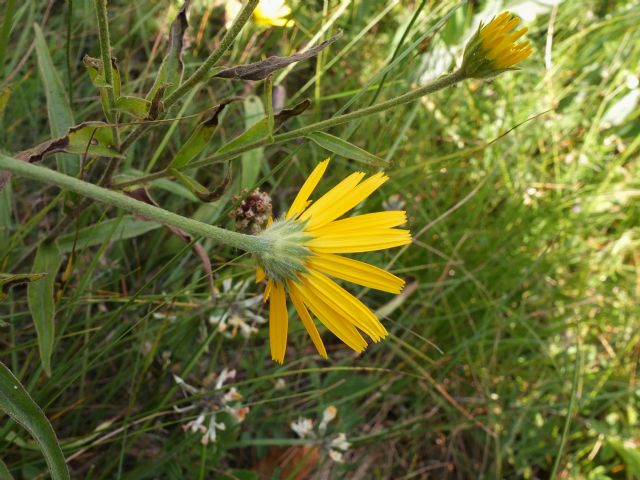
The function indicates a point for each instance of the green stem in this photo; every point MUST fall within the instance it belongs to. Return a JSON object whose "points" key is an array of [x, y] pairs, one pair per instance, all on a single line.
{"points": [[249, 243], [105, 51], [434, 86]]}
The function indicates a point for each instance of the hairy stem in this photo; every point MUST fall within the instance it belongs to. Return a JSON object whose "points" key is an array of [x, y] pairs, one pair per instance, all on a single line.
{"points": [[248, 243], [434, 86]]}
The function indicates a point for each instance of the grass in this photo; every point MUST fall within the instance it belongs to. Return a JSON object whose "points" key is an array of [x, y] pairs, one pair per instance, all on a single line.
{"points": [[513, 351]]}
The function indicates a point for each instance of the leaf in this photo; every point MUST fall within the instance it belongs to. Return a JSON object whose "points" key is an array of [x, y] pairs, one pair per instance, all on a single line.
{"points": [[92, 138], [41, 301], [345, 149], [135, 106], [6, 220], [261, 70], [8, 280], [16, 402], [198, 140], [199, 190], [108, 230], [251, 161], [256, 133], [5, 474], [58, 109], [288, 113], [630, 453], [170, 73]]}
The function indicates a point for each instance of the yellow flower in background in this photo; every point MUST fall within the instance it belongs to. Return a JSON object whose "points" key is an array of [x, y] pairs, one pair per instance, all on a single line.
{"points": [[268, 13], [273, 13], [493, 49], [307, 243]]}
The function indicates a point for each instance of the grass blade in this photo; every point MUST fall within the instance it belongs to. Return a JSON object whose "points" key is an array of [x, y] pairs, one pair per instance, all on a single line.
{"points": [[41, 302], [16, 402], [58, 108]]}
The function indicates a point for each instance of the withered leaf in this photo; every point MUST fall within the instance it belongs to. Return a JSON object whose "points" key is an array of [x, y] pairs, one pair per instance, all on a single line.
{"points": [[260, 70], [288, 113], [172, 67], [143, 195], [8, 280]]}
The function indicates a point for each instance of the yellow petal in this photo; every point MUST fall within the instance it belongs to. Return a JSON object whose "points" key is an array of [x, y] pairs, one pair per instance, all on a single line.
{"points": [[307, 321], [332, 197], [368, 241], [267, 291], [278, 323], [335, 322], [348, 305], [260, 274], [301, 200], [361, 223], [346, 202], [357, 272]]}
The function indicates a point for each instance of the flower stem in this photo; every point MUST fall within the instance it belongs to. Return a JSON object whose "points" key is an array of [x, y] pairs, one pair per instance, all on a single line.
{"points": [[434, 86], [248, 243]]}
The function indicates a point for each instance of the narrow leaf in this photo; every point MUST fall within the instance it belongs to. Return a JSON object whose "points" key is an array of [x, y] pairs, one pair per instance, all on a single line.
{"points": [[198, 140], [261, 70], [16, 402], [258, 132], [199, 190], [5, 474], [345, 149], [252, 160], [171, 69], [58, 109], [42, 303]]}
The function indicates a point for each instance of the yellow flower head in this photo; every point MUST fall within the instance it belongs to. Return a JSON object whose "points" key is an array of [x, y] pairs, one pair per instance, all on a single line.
{"points": [[268, 13], [493, 49], [306, 244]]}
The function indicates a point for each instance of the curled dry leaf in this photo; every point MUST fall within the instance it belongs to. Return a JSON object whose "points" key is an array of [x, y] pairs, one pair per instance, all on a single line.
{"points": [[261, 70]]}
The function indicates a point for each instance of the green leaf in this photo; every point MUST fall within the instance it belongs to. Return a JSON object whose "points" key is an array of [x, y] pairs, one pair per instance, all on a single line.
{"points": [[109, 230], [5, 474], [41, 302], [58, 109], [8, 280], [345, 149], [134, 106], [90, 138], [94, 138], [16, 402], [198, 140], [252, 160], [200, 190]]}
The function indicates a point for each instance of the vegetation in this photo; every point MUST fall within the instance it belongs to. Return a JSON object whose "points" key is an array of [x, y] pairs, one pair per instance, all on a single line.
{"points": [[513, 348]]}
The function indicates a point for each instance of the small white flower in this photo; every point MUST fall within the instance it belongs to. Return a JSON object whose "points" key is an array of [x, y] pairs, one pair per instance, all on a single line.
{"points": [[336, 456], [327, 416], [303, 427], [340, 442], [225, 375]]}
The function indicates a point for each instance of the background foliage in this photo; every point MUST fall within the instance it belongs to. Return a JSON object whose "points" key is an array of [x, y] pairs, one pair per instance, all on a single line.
{"points": [[513, 351]]}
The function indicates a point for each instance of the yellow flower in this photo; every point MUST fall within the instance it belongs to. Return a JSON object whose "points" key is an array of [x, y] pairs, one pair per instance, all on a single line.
{"points": [[273, 13], [320, 236], [269, 13], [493, 49]]}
